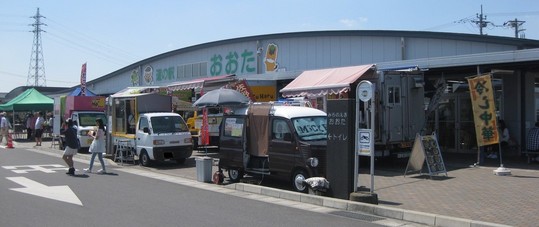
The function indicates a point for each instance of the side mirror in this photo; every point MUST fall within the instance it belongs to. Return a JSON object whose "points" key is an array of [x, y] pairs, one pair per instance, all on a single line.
{"points": [[146, 130]]}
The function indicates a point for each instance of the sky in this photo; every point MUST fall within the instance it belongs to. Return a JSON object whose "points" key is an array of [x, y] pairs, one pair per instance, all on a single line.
{"points": [[109, 35]]}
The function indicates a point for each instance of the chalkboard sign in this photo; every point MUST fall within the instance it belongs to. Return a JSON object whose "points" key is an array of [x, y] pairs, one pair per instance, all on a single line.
{"points": [[433, 156], [426, 148]]}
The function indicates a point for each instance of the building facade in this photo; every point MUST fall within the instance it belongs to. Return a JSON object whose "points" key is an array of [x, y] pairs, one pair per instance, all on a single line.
{"points": [[268, 62]]}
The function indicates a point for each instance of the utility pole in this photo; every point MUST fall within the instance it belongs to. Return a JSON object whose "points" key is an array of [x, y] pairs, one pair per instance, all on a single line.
{"points": [[516, 24], [36, 70], [482, 22]]}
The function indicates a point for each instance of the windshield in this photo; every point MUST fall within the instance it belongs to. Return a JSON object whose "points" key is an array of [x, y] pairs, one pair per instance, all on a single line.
{"points": [[168, 124], [311, 128], [88, 119]]}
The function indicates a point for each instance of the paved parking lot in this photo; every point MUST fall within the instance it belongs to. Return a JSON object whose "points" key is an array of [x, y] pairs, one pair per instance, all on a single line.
{"points": [[467, 192]]}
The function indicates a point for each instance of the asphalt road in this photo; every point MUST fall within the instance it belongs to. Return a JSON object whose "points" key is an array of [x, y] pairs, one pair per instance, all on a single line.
{"points": [[35, 191]]}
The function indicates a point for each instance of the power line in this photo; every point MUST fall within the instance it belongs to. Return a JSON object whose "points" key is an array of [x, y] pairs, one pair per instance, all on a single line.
{"points": [[81, 36], [23, 76]]}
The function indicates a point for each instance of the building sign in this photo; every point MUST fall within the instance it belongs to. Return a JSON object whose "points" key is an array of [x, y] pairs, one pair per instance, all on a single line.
{"points": [[165, 74], [264, 93], [148, 75], [233, 63], [484, 111], [271, 57], [135, 78]]}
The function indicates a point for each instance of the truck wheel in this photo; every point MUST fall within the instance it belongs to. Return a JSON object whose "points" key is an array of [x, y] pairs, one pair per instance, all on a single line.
{"points": [[144, 159], [297, 181], [180, 160], [235, 175]]}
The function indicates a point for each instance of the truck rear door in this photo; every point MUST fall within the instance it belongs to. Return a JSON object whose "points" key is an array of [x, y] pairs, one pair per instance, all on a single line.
{"points": [[232, 141], [404, 110]]}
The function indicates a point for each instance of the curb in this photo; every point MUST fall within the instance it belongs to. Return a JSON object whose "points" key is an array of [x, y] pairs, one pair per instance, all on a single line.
{"points": [[389, 212]]}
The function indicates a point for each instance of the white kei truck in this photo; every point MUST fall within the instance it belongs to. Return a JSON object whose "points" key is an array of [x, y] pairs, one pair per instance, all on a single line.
{"points": [[141, 123]]}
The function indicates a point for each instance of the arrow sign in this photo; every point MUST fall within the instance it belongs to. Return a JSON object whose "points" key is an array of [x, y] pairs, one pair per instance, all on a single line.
{"points": [[61, 193]]}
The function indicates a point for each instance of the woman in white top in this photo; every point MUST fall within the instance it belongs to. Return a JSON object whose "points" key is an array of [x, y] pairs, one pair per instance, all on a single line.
{"points": [[98, 146]]}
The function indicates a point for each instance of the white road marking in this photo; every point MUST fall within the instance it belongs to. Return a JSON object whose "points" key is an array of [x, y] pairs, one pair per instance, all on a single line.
{"points": [[61, 193], [43, 168]]}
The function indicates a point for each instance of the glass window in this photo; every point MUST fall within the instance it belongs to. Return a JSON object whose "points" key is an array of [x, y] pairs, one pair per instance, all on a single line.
{"points": [[311, 128], [88, 119], [143, 124], [393, 95], [233, 127], [120, 116], [168, 124], [280, 130]]}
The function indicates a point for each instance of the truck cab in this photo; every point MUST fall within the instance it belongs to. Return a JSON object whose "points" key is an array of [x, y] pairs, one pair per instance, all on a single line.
{"points": [[285, 142], [162, 136]]}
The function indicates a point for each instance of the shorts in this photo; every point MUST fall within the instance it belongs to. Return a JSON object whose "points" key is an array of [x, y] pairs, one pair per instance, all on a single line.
{"points": [[39, 133], [70, 151]]}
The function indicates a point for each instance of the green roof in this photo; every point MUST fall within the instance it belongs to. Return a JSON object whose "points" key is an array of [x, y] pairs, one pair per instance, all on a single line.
{"points": [[29, 100]]}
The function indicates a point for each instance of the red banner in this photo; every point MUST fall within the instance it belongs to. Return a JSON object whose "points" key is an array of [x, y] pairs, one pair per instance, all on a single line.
{"points": [[83, 80], [243, 88], [204, 130]]}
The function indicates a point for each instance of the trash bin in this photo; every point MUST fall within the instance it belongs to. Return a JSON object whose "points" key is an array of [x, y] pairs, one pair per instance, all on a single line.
{"points": [[204, 168]]}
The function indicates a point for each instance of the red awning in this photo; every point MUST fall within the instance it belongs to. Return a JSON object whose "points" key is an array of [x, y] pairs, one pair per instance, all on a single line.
{"points": [[202, 82], [325, 81]]}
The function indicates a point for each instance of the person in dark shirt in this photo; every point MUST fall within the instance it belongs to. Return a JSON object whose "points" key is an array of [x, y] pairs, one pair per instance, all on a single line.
{"points": [[71, 144]]}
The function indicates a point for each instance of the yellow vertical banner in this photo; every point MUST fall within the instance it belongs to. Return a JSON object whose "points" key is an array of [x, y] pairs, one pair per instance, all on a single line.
{"points": [[484, 110]]}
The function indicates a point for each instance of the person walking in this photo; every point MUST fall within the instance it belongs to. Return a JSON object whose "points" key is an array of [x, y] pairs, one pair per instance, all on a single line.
{"points": [[97, 148], [39, 128], [4, 127], [72, 144]]}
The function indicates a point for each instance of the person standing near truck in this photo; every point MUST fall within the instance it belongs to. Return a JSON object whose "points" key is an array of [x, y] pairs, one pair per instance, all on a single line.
{"points": [[72, 144], [98, 146]]}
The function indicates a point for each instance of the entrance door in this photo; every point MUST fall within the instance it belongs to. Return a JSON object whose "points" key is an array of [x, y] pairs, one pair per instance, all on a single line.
{"points": [[454, 124]]}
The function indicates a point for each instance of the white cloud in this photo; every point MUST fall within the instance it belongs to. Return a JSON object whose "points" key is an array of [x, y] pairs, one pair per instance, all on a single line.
{"points": [[348, 22], [353, 22]]}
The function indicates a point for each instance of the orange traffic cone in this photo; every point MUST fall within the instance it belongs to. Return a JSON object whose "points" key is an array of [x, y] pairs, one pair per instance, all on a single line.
{"points": [[9, 141]]}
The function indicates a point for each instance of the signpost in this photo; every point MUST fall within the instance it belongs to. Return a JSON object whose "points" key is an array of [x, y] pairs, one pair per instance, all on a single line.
{"points": [[365, 136]]}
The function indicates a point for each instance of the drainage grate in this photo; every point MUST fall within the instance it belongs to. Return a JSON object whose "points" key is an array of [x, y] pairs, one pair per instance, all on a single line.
{"points": [[363, 217]]}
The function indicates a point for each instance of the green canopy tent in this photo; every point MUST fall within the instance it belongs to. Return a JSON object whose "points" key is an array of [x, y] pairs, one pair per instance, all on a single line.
{"points": [[29, 100]]}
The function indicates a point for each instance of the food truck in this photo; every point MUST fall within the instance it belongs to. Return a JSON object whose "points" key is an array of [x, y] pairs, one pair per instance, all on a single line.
{"points": [[286, 142], [143, 121], [84, 111]]}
